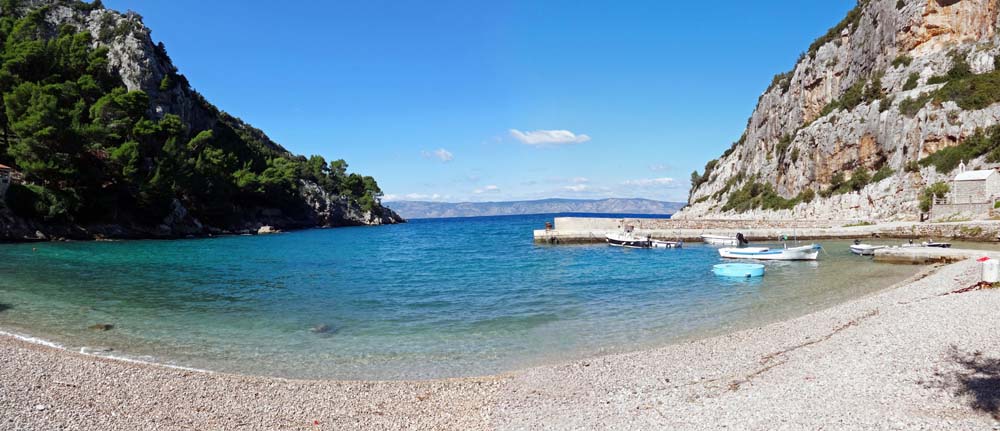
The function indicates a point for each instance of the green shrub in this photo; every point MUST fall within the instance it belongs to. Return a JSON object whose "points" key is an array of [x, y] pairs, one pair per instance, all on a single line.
{"points": [[32, 201], [795, 155], [755, 195], [902, 60], [910, 106], [783, 144], [850, 23], [979, 143], [885, 103], [927, 195], [959, 70], [884, 172], [911, 81], [911, 166], [972, 92]]}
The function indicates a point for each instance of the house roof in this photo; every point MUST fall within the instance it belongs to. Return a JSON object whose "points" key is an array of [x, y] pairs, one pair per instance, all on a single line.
{"points": [[974, 175]]}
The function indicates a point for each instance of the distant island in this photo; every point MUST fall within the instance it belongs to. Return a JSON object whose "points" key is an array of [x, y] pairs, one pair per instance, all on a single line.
{"points": [[421, 209]]}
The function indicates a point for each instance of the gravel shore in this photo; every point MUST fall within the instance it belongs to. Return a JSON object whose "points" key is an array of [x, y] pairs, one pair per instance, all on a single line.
{"points": [[914, 356]]}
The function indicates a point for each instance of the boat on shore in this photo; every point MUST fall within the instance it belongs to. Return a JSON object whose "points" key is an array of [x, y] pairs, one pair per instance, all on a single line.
{"points": [[861, 249], [736, 240], [806, 252]]}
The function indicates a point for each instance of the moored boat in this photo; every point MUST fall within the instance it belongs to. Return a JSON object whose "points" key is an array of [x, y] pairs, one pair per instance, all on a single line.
{"points": [[666, 244], [742, 270], [865, 249], [806, 252], [628, 240], [724, 239], [937, 244]]}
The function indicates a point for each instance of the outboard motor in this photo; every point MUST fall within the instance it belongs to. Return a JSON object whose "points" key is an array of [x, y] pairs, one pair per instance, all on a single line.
{"points": [[740, 239]]}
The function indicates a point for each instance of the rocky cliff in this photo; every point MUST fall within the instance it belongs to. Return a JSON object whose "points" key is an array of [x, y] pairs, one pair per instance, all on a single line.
{"points": [[852, 131], [142, 65]]}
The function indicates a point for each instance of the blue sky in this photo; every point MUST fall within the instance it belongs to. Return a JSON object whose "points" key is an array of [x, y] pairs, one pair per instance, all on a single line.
{"points": [[494, 100]]}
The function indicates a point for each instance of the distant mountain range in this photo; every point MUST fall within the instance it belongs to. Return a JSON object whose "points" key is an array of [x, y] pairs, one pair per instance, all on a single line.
{"points": [[419, 209]]}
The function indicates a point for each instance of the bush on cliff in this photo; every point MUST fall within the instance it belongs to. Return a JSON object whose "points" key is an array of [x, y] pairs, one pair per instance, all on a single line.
{"points": [[979, 143], [929, 193]]}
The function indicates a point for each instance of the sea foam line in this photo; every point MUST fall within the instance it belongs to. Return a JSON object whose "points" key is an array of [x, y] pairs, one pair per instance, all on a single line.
{"points": [[82, 351]]}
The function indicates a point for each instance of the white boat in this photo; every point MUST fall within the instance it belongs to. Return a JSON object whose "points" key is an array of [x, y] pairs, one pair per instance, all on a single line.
{"points": [[666, 244], [628, 240], [724, 239], [806, 252], [865, 249]]}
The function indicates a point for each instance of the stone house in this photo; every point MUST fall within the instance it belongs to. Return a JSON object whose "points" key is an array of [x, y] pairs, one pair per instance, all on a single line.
{"points": [[975, 187], [972, 194]]}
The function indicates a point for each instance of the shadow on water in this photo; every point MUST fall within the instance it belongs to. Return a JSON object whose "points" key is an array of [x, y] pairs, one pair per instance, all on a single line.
{"points": [[5, 307], [979, 379]]}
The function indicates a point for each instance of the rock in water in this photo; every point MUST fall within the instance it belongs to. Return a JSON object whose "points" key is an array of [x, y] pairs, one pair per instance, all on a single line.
{"points": [[266, 230], [324, 329], [102, 327]]}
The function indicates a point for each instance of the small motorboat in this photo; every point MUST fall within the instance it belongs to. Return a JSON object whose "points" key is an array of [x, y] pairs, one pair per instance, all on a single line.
{"points": [[865, 249], [628, 240], [741, 270], [666, 244], [806, 252], [910, 243], [724, 239], [937, 244]]}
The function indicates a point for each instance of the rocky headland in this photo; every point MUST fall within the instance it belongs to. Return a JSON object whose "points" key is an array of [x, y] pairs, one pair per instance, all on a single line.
{"points": [[883, 105]]}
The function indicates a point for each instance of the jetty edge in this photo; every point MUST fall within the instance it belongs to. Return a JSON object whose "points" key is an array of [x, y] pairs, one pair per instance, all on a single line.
{"points": [[588, 230]]}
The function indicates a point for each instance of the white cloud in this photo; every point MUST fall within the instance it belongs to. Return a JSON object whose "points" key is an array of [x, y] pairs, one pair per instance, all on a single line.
{"points": [[488, 189], [647, 182], [548, 137], [440, 154], [659, 167], [580, 180], [577, 188]]}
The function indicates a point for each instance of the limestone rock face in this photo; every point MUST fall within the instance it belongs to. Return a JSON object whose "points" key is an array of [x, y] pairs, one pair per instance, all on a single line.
{"points": [[891, 40]]}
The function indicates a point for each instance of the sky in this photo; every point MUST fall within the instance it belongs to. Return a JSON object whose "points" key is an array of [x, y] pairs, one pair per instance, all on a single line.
{"points": [[494, 100]]}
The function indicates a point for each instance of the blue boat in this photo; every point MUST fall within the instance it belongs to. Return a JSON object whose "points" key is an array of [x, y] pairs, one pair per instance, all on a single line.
{"points": [[742, 270]]}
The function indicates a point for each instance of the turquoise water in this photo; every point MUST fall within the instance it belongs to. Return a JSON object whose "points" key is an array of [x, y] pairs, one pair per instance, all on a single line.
{"points": [[432, 298]]}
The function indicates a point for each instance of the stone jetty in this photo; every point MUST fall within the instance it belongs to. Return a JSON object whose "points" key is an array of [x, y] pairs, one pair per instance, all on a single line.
{"points": [[582, 230]]}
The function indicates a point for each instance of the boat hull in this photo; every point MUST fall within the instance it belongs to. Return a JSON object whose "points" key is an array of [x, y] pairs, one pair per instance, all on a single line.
{"points": [[865, 250], [720, 240], [809, 252], [740, 270], [666, 244], [628, 241]]}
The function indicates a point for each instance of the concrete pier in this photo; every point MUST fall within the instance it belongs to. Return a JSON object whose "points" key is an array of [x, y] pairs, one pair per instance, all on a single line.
{"points": [[581, 230]]}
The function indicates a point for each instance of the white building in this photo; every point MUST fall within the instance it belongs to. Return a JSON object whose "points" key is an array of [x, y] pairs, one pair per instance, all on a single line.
{"points": [[975, 187]]}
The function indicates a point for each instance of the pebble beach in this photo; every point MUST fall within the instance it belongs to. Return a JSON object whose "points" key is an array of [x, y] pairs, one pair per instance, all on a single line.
{"points": [[923, 354]]}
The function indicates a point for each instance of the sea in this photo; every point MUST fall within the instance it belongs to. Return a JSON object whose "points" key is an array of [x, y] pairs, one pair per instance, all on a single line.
{"points": [[432, 298]]}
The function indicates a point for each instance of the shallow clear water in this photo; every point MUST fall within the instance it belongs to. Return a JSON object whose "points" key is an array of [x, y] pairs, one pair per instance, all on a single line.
{"points": [[432, 298]]}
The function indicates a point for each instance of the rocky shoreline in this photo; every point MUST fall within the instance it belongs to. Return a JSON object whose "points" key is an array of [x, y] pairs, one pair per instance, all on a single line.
{"points": [[921, 355]]}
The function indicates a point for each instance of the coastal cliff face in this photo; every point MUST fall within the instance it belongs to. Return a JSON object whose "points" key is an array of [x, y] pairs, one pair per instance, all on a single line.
{"points": [[852, 131], [140, 65]]}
